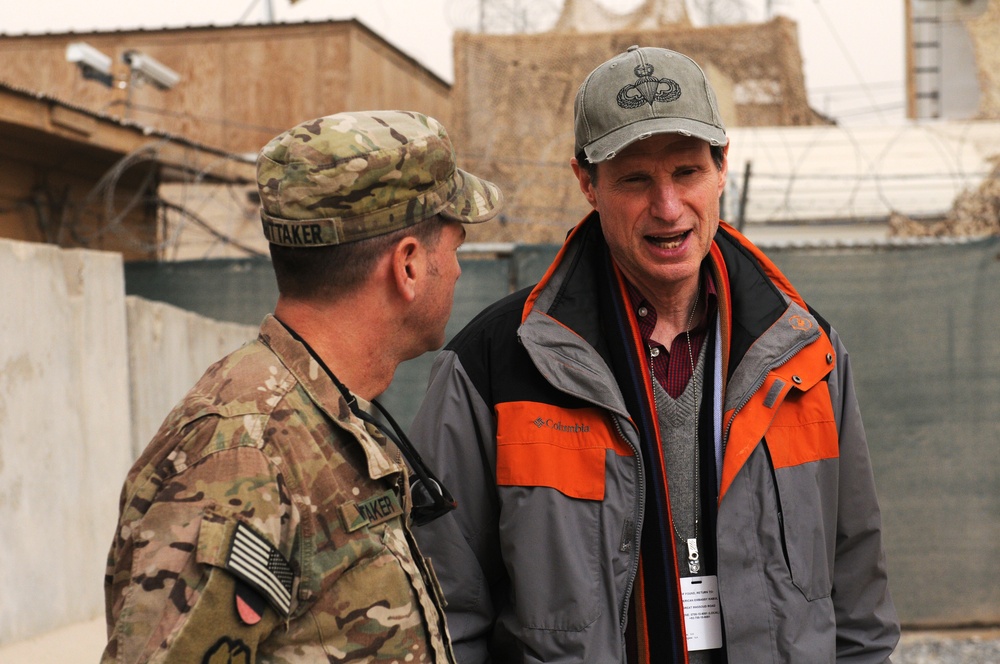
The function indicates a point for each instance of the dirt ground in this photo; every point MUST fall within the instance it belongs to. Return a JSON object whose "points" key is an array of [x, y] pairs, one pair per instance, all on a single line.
{"points": [[974, 646]]}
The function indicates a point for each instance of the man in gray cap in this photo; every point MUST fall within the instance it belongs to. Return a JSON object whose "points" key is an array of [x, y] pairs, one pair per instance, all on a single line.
{"points": [[656, 451], [269, 520]]}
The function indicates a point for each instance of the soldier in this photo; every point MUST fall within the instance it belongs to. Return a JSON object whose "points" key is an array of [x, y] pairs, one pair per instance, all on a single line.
{"points": [[269, 518]]}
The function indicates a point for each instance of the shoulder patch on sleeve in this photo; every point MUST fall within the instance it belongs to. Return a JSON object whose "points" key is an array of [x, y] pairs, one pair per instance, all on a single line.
{"points": [[228, 651], [257, 562]]}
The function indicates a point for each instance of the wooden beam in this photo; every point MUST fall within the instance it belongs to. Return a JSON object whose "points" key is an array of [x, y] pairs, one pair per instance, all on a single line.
{"points": [[46, 120]]}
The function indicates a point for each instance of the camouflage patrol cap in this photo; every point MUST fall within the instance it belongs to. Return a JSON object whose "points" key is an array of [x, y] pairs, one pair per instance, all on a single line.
{"points": [[351, 176]]}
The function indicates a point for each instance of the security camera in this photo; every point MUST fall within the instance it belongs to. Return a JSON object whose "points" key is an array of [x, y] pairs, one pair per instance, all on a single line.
{"points": [[92, 63], [86, 55], [151, 69]]}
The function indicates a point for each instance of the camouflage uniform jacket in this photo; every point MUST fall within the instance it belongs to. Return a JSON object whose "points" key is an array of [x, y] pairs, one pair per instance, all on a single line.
{"points": [[267, 523]]}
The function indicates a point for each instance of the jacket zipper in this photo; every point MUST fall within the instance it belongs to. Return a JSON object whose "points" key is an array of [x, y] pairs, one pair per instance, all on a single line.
{"points": [[636, 529], [641, 503]]}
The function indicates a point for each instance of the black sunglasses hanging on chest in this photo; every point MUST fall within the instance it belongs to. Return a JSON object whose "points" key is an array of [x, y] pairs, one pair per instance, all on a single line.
{"points": [[431, 499]]}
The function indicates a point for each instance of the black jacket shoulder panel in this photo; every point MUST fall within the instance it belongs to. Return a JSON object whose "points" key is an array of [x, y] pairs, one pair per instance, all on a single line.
{"points": [[495, 361], [823, 323], [756, 302], [489, 341], [505, 313]]}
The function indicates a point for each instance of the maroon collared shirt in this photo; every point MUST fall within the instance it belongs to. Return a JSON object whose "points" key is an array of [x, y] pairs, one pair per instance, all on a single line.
{"points": [[672, 368]]}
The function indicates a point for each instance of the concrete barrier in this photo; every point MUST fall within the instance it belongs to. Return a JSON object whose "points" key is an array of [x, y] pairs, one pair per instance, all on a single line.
{"points": [[64, 427], [86, 377], [168, 350]]}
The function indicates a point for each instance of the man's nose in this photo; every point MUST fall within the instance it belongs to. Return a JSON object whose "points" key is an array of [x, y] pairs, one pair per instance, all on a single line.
{"points": [[666, 201]]}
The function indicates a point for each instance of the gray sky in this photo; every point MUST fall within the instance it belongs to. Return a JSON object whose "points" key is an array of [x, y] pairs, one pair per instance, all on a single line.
{"points": [[852, 49]]}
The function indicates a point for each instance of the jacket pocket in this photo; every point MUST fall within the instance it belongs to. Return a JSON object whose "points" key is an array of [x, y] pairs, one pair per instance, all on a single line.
{"points": [[551, 479], [802, 445], [561, 448], [381, 599], [551, 545]]}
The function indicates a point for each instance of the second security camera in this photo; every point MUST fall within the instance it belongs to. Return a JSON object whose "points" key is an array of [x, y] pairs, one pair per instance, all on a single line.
{"points": [[151, 69]]}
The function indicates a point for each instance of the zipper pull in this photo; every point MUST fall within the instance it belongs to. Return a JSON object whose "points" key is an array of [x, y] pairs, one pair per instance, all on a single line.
{"points": [[694, 564], [627, 531]]}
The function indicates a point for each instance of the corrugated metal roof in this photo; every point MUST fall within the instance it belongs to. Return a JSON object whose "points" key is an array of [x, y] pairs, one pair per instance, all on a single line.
{"points": [[121, 122]]}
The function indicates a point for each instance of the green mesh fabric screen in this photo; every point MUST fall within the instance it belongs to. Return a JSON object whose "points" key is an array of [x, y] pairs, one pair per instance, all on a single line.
{"points": [[921, 326], [920, 323], [237, 290]]}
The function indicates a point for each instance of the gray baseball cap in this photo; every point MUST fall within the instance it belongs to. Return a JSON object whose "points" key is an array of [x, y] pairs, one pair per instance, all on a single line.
{"points": [[351, 176], [641, 92]]}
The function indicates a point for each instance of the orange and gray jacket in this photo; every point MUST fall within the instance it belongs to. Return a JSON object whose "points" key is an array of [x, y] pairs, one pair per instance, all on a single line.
{"points": [[525, 421]]}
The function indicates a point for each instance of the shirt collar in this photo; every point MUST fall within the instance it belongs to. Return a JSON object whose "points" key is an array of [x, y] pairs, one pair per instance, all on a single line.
{"points": [[645, 313]]}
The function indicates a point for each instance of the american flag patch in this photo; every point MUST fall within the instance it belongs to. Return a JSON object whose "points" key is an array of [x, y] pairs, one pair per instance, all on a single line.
{"points": [[253, 559]]}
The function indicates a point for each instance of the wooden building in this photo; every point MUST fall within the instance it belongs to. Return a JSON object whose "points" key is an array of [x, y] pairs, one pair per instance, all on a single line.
{"points": [[101, 164], [76, 178], [239, 85]]}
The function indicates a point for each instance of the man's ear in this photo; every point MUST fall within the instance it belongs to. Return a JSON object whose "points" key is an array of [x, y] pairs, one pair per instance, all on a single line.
{"points": [[724, 170], [407, 265], [586, 184]]}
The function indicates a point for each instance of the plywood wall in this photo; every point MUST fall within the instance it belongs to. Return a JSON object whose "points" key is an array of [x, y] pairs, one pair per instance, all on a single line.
{"points": [[239, 86], [49, 193]]}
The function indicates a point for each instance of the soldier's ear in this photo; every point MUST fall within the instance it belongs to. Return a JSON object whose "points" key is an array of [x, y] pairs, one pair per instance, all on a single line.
{"points": [[408, 259]]}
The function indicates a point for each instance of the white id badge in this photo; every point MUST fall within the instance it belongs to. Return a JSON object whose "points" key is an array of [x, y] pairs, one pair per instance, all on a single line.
{"points": [[702, 613]]}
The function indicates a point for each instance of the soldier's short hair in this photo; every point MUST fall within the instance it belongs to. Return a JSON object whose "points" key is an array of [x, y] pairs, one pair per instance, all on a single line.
{"points": [[328, 272]]}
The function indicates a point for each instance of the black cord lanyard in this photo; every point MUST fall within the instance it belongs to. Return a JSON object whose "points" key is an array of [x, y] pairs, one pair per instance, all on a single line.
{"points": [[431, 499]]}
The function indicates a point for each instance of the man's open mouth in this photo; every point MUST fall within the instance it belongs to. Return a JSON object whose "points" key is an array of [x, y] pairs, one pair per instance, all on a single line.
{"points": [[668, 241]]}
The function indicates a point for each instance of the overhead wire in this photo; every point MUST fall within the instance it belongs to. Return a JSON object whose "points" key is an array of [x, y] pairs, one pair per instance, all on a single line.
{"points": [[845, 52]]}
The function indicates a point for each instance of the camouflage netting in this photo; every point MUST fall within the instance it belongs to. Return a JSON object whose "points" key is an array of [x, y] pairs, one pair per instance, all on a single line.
{"points": [[512, 117], [985, 33], [975, 213]]}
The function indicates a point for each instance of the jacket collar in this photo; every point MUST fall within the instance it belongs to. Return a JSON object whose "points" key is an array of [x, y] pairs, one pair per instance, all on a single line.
{"points": [[771, 343], [759, 309], [322, 391], [753, 293]]}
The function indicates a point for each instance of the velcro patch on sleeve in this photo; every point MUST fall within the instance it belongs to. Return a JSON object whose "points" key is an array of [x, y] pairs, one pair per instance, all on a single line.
{"points": [[250, 604], [257, 562]]}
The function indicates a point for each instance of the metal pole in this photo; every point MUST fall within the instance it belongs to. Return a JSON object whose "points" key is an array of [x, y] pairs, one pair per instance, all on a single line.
{"points": [[742, 214]]}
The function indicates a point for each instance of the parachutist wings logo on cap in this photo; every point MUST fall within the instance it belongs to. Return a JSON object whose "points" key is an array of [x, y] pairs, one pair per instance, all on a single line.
{"points": [[647, 89]]}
